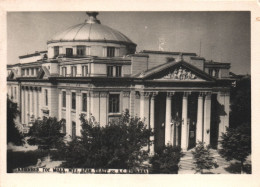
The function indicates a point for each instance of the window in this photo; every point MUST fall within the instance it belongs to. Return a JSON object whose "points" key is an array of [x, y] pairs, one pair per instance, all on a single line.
{"points": [[32, 71], [56, 51], [14, 92], [27, 70], [210, 72], [216, 73], [64, 71], [46, 97], [73, 101], [118, 71], [69, 52], [110, 71], [81, 50], [84, 102], [84, 71], [73, 130], [22, 72], [63, 126], [64, 99], [113, 103], [11, 92], [73, 71], [110, 51]]}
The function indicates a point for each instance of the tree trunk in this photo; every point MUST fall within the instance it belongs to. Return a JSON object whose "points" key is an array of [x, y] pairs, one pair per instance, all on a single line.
{"points": [[242, 167]]}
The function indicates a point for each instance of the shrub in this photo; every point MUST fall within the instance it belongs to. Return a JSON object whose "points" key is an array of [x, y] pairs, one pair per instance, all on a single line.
{"points": [[236, 144], [203, 158], [116, 145], [166, 160]]}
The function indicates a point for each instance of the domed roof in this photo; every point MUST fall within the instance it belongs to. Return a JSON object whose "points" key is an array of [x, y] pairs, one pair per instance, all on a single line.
{"points": [[91, 31]]}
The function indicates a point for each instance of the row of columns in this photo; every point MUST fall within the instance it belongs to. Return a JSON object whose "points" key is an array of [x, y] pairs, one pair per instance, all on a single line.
{"points": [[31, 104], [203, 117]]}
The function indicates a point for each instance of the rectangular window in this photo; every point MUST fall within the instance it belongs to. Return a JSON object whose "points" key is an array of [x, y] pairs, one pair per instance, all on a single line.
{"points": [[56, 51], [46, 97], [73, 130], [110, 51], [64, 71], [32, 71], [81, 50], [69, 52], [15, 93], [64, 99], [27, 70], [110, 71], [84, 102], [118, 71], [22, 72], [73, 100], [216, 73], [84, 71], [114, 103], [210, 72], [73, 71]]}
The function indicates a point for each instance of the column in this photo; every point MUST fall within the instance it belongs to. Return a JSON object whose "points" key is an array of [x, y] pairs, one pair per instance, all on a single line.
{"points": [[103, 108], [152, 121], [35, 103], [68, 113], [23, 107], [184, 128], [207, 112], [40, 102], [60, 105], [95, 105], [168, 118], [199, 127], [144, 106], [31, 104], [78, 112], [26, 105]]}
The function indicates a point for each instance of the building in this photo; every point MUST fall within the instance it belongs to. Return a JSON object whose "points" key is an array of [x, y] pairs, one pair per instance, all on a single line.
{"points": [[95, 70]]}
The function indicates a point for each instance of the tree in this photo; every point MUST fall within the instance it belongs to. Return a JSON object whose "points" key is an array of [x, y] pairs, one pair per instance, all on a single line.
{"points": [[236, 144], [240, 98], [46, 133], [166, 160], [120, 144], [13, 134], [203, 158]]}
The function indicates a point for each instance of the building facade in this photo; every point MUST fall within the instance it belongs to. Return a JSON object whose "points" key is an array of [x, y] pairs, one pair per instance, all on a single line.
{"points": [[94, 70]]}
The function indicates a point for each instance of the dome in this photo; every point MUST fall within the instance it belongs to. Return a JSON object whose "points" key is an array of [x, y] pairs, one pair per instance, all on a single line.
{"points": [[91, 31]]}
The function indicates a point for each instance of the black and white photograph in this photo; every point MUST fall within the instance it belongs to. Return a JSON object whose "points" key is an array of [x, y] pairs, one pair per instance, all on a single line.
{"points": [[128, 92]]}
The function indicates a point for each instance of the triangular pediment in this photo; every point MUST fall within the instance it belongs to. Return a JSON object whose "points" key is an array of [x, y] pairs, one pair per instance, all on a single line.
{"points": [[177, 71]]}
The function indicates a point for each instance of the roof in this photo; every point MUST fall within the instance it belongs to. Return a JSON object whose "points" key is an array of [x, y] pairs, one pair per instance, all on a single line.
{"points": [[91, 31], [37, 53], [168, 53]]}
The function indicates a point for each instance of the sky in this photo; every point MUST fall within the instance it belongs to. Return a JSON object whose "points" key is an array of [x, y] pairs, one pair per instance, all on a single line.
{"points": [[217, 36]]}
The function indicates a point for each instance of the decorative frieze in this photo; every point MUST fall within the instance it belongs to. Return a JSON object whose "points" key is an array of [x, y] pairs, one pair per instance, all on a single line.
{"points": [[180, 74], [95, 94], [126, 94], [103, 94], [170, 94]]}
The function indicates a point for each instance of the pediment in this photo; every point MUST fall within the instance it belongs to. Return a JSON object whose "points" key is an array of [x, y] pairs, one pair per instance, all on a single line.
{"points": [[180, 74], [176, 71]]}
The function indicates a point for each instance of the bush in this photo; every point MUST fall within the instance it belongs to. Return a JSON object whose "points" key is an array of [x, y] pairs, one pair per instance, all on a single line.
{"points": [[203, 158], [117, 145], [46, 133], [236, 144], [166, 160]]}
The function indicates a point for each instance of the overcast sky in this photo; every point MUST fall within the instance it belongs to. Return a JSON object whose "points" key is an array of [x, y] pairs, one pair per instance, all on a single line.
{"points": [[224, 36]]}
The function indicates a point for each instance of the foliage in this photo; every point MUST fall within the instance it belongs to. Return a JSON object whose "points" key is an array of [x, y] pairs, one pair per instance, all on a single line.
{"points": [[13, 134], [236, 144], [166, 160], [240, 97], [46, 133], [203, 158], [120, 144], [22, 159]]}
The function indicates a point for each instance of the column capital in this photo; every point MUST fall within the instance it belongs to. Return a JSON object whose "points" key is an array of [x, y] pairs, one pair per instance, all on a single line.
{"points": [[186, 94], [145, 94], [126, 94], [201, 94], [153, 94], [208, 95], [103, 94], [169, 94], [94, 94], [137, 95], [68, 92]]}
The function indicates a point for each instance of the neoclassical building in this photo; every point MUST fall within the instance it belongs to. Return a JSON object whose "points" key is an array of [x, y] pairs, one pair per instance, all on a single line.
{"points": [[93, 69]]}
